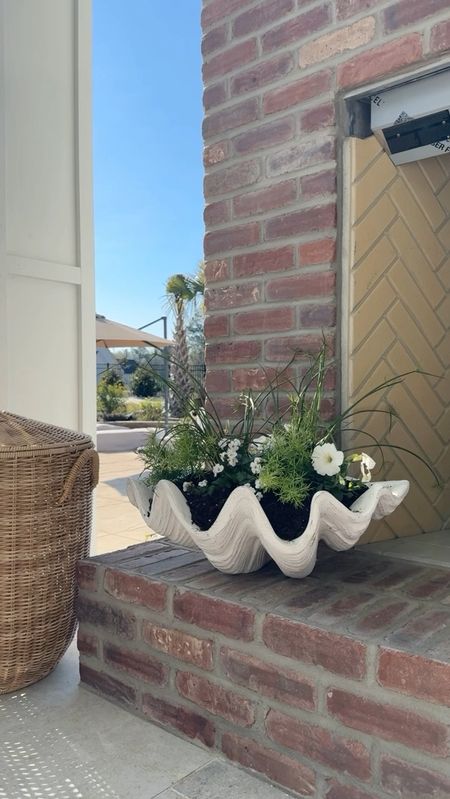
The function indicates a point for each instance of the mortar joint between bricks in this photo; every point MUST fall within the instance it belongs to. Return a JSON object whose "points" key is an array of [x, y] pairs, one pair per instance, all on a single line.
{"points": [[101, 644], [216, 657], [321, 785], [300, 271], [321, 688], [372, 664], [376, 752], [258, 628], [101, 569], [169, 602], [174, 667]]}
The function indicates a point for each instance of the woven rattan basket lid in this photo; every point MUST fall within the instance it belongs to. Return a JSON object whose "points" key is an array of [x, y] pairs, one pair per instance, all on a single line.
{"points": [[18, 434]]}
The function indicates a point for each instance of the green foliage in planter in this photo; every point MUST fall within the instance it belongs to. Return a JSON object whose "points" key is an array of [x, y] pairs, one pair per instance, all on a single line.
{"points": [[277, 448], [178, 457], [287, 464]]}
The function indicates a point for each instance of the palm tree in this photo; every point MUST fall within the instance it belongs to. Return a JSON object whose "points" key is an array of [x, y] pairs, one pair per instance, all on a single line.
{"points": [[182, 291]]}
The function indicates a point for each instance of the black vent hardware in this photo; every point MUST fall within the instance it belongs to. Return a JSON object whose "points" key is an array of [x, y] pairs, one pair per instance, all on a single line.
{"points": [[430, 129]]}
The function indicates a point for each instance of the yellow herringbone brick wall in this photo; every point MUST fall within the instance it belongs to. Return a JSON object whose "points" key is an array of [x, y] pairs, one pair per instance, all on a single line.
{"points": [[399, 319]]}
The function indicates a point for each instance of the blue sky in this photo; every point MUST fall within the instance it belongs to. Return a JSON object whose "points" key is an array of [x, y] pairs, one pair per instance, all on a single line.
{"points": [[147, 111]]}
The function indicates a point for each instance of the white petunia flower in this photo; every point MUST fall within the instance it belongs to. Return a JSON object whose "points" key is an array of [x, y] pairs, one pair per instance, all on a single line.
{"points": [[327, 460], [217, 468], [232, 459], [367, 464], [257, 483], [222, 456], [223, 443], [203, 483], [235, 443], [186, 486], [259, 496]]}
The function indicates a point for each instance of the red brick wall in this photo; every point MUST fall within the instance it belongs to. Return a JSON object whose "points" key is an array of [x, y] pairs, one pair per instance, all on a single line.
{"points": [[309, 682], [272, 70]]}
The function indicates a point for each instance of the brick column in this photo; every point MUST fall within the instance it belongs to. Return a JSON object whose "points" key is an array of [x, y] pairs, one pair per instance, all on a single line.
{"points": [[272, 70]]}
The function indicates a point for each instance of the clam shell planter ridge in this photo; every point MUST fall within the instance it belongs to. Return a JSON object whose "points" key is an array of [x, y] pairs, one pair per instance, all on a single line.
{"points": [[242, 539]]}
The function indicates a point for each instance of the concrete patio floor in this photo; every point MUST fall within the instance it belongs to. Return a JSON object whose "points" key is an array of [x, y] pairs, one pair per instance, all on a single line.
{"points": [[117, 523], [59, 741]]}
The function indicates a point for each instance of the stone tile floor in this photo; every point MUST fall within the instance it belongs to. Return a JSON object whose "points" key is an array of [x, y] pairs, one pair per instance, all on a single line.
{"points": [[59, 741]]}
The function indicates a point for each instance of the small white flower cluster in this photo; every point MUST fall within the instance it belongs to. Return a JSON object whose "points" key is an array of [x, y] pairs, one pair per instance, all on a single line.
{"points": [[231, 450], [186, 486], [255, 465], [258, 443], [258, 494], [217, 468]]}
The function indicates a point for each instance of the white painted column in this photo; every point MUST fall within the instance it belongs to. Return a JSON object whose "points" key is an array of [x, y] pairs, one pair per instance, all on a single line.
{"points": [[47, 308]]}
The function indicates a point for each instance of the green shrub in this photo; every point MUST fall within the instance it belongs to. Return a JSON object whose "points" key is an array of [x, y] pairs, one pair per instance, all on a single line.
{"points": [[112, 377], [144, 383], [110, 398], [149, 410]]}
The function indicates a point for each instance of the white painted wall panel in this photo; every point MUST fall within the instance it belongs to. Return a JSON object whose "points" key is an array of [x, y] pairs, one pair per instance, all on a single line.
{"points": [[47, 309], [40, 134], [43, 356]]}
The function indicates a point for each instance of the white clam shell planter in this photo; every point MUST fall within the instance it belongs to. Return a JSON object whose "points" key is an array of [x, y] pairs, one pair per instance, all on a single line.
{"points": [[242, 539]]}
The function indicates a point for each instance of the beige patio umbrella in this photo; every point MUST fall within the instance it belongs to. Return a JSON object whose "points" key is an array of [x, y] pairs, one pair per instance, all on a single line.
{"points": [[113, 334]]}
